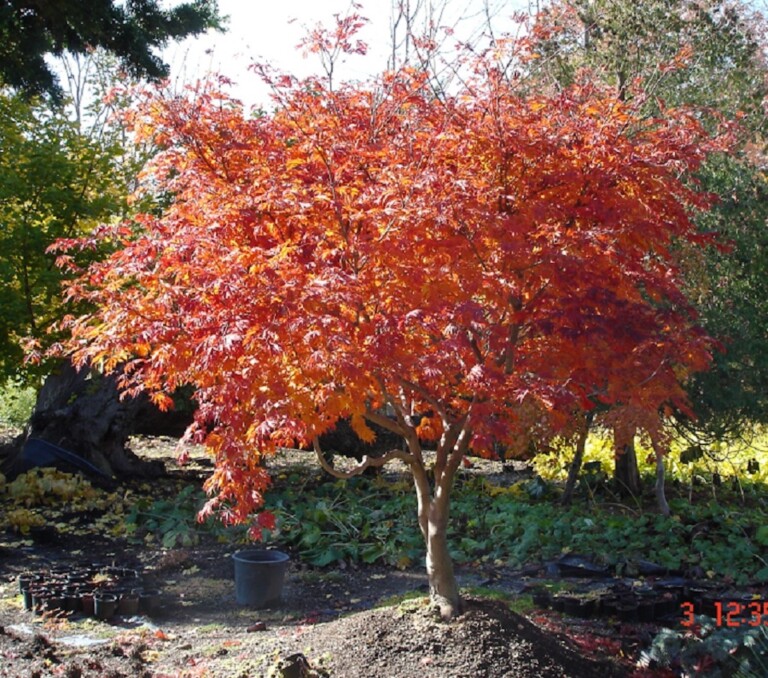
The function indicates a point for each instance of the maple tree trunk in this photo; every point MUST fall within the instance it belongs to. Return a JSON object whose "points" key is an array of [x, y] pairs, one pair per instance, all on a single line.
{"points": [[443, 588], [661, 497], [573, 471], [626, 473], [433, 521]]}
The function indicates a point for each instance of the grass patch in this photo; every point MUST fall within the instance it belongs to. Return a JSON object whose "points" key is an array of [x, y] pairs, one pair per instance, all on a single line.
{"points": [[321, 576], [522, 604], [412, 600]]}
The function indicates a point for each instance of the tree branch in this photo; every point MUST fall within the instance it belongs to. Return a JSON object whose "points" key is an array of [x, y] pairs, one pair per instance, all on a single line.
{"points": [[436, 405], [367, 462], [384, 422]]}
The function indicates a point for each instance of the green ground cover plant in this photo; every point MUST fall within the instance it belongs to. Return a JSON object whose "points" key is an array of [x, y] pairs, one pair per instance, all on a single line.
{"points": [[173, 521], [363, 520], [369, 520]]}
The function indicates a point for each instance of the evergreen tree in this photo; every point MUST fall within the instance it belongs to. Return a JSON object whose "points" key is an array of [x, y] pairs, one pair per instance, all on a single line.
{"points": [[132, 31]]}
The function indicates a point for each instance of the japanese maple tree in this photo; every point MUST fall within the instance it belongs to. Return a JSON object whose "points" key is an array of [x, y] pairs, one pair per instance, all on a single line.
{"points": [[371, 250]]}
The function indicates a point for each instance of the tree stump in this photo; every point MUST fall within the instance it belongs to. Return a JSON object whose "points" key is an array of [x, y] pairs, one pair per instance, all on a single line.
{"points": [[82, 412]]}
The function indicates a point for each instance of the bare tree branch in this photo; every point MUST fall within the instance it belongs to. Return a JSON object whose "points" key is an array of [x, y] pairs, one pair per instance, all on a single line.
{"points": [[367, 462]]}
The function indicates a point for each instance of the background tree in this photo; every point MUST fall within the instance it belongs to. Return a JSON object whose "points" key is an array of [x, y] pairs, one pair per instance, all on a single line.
{"points": [[706, 54], [66, 169], [729, 289], [711, 56], [55, 182], [476, 257], [132, 31]]}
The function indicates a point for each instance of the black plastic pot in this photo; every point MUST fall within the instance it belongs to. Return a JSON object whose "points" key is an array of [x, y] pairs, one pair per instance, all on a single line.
{"points": [[646, 610], [128, 603], [259, 576], [71, 598], [41, 600], [558, 602], [104, 605], [87, 602], [27, 595], [149, 601], [541, 598], [608, 605], [627, 611]]}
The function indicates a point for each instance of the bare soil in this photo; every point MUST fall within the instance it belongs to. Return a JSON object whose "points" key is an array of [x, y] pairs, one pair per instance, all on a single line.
{"points": [[329, 623], [329, 617]]}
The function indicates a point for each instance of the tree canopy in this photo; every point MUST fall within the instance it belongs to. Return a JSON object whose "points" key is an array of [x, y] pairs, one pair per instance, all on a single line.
{"points": [[132, 31], [489, 259]]}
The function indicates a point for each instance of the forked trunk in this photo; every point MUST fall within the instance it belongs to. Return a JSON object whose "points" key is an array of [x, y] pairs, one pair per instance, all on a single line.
{"points": [[433, 509], [443, 589]]}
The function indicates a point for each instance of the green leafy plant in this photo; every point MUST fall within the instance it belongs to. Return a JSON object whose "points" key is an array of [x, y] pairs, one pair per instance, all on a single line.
{"points": [[368, 520], [356, 520], [709, 650], [173, 521]]}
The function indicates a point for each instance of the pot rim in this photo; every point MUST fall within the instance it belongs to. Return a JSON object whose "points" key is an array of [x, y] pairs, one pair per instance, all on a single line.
{"points": [[260, 556]]}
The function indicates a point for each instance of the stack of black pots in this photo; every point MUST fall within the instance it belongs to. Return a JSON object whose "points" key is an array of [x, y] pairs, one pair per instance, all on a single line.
{"points": [[92, 591]]}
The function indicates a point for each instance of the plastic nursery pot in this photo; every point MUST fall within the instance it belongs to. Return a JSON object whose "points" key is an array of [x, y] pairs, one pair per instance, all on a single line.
{"points": [[574, 606], [667, 605], [128, 603], [149, 601], [627, 611], [608, 603], [40, 600], [27, 596], [646, 610], [128, 575], [586, 608], [87, 603], [259, 576], [558, 602], [57, 600], [104, 605], [24, 582], [77, 578], [59, 572], [71, 598], [29, 580]]}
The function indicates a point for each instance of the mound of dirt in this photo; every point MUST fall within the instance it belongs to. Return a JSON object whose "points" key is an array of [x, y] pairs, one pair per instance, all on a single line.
{"points": [[408, 641]]}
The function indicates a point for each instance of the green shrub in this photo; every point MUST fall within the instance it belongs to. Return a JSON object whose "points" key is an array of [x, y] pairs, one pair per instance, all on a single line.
{"points": [[16, 403]]}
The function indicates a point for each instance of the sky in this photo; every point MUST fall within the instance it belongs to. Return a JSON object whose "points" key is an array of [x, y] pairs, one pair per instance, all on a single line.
{"points": [[270, 32]]}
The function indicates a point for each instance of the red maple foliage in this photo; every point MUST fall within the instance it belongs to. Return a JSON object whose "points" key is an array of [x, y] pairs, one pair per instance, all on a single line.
{"points": [[493, 259]]}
